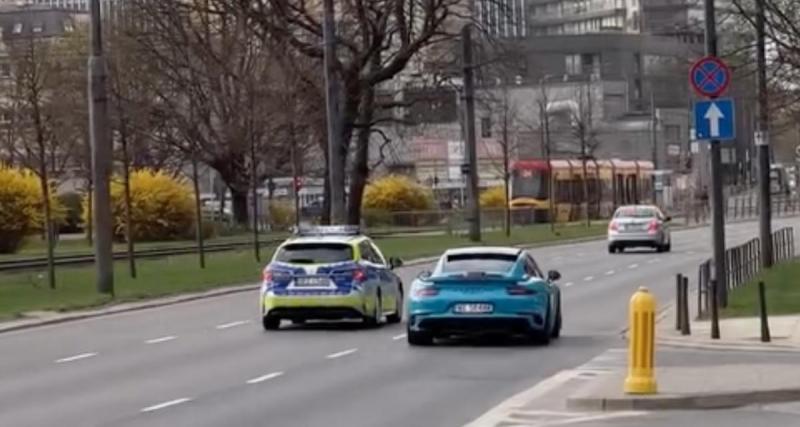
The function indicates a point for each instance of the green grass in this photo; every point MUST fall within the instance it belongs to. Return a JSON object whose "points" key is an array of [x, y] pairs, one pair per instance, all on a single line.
{"points": [[422, 246], [34, 246], [782, 285], [27, 291]]}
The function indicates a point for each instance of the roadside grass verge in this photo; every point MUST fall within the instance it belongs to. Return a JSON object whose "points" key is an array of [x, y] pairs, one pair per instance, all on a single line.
{"points": [[782, 284], [27, 291]]}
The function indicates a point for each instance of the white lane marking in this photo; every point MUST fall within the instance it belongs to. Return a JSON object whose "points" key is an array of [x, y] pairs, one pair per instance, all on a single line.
{"points": [[76, 357], [263, 378], [653, 261], [341, 354], [568, 284], [610, 272], [161, 339], [398, 337], [501, 412], [633, 266], [233, 324], [588, 278], [166, 404], [584, 419]]}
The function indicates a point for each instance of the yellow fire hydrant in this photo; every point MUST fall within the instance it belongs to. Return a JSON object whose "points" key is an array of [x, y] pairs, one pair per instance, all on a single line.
{"points": [[641, 347]]}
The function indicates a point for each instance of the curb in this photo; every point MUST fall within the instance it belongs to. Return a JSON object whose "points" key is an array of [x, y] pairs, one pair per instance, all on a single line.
{"points": [[127, 307], [766, 348], [686, 402], [124, 308]]}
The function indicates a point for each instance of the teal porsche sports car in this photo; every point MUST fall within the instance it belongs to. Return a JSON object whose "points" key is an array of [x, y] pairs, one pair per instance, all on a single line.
{"points": [[484, 290]]}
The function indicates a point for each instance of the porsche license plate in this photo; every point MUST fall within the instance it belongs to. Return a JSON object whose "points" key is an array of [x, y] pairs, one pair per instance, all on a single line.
{"points": [[473, 308]]}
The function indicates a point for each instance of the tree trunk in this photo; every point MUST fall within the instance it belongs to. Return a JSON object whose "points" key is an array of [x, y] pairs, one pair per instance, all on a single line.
{"points": [[126, 177], [201, 252], [45, 184], [360, 171], [239, 204], [89, 201]]}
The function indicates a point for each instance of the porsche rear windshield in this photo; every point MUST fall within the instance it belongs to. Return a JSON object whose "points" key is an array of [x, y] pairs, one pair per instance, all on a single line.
{"points": [[315, 253], [489, 263]]}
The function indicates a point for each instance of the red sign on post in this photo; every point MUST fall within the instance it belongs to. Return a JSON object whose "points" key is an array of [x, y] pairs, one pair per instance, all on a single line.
{"points": [[710, 77]]}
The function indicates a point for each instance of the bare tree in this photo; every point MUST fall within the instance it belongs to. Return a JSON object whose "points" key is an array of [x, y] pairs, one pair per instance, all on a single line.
{"points": [[378, 40], [45, 143], [209, 63], [583, 130]]}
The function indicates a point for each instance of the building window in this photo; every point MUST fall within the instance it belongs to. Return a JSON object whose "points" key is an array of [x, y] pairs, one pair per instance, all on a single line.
{"points": [[38, 27], [5, 70], [486, 127], [17, 28], [68, 27], [573, 64]]}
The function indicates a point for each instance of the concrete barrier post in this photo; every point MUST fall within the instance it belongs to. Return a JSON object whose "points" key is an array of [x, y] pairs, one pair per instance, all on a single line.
{"points": [[641, 348]]}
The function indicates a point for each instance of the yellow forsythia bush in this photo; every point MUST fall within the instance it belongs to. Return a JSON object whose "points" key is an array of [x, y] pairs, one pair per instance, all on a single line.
{"points": [[162, 207], [494, 197], [397, 193], [22, 207]]}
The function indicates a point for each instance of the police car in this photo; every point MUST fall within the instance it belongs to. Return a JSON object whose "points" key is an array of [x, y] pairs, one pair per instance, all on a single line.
{"points": [[330, 273]]}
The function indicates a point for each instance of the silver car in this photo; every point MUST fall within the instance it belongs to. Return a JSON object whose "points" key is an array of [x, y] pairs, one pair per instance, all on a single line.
{"points": [[639, 226]]}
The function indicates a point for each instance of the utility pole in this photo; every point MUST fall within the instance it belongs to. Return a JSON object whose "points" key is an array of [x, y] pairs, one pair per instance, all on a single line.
{"points": [[506, 173], [718, 215], [101, 156], [295, 177], [474, 214], [654, 139], [762, 140], [653, 128], [336, 160]]}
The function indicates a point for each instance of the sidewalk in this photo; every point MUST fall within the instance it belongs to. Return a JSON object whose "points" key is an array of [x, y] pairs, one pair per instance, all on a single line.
{"points": [[687, 379], [735, 334], [705, 387]]}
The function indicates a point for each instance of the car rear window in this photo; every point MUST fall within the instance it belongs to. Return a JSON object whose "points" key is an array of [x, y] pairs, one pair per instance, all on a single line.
{"points": [[315, 253], [635, 213], [494, 263]]}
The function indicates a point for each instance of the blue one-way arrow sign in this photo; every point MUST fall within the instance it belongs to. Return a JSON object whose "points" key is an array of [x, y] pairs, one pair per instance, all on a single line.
{"points": [[715, 120]]}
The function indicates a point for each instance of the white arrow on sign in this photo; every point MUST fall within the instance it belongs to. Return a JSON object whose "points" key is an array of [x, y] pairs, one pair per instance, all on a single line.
{"points": [[714, 115]]}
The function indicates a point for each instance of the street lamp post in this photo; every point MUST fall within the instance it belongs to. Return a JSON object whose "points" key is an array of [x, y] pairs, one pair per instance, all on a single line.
{"points": [[101, 156]]}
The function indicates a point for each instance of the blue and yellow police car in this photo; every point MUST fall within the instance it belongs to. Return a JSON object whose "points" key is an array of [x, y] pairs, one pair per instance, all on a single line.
{"points": [[330, 273]]}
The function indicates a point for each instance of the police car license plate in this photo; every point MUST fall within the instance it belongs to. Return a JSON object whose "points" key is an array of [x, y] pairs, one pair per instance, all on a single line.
{"points": [[473, 308], [312, 282]]}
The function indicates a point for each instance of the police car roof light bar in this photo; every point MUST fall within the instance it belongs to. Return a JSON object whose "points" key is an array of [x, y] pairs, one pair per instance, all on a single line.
{"points": [[329, 230]]}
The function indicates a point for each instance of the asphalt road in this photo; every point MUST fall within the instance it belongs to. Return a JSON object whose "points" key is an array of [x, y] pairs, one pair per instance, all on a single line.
{"points": [[208, 363]]}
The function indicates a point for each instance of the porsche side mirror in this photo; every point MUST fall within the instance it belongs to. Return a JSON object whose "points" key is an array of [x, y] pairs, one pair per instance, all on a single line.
{"points": [[553, 275]]}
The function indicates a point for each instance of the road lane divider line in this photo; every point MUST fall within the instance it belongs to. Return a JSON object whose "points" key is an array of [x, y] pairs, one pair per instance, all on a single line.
{"points": [[76, 357], [610, 272], [263, 378], [568, 284], [398, 337], [633, 266], [166, 404], [341, 353], [233, 324], [161, 339], [588, 278]]}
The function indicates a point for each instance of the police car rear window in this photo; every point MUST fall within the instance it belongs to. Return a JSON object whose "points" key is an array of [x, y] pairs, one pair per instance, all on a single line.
{"points": [[315, 253], [497, 263]]}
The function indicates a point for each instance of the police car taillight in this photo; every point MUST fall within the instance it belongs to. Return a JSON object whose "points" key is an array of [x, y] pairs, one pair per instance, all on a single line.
{"points": [[359, 276], [267, 275]]}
